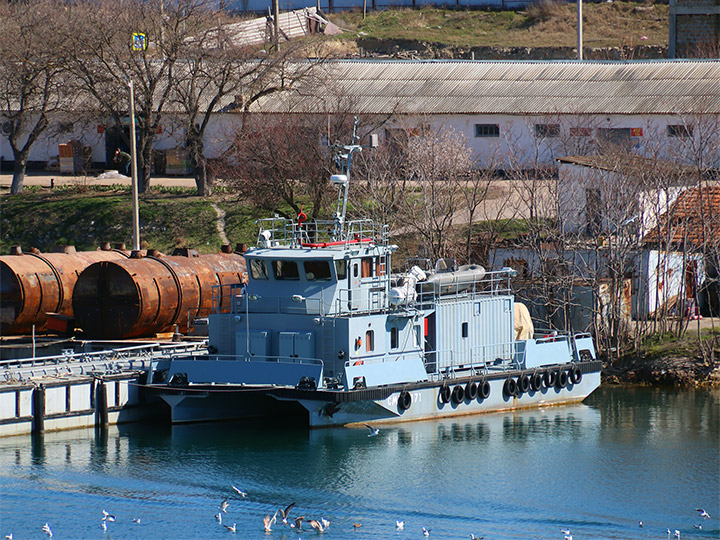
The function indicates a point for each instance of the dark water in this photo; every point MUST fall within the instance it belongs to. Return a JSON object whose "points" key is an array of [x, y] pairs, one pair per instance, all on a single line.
{"points": [[598, 468]]}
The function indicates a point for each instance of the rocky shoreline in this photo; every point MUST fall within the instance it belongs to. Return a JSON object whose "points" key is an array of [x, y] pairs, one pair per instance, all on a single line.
{"points": [[671, 370]]}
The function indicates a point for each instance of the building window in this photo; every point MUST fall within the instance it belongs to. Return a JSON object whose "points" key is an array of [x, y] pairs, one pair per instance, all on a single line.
{"points": [[487, 130], [547, 130], [615, 136], [394, 342], [580, 131], [464, 329], [369, 341], [679, 131]]}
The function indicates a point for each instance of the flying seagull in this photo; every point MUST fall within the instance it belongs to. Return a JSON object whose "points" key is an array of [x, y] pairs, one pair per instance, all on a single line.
{"points": [[268, 522], [136, 520], [699, 527], [703, 513], [224, 505], [565, 531], [285, 513], [231, 529], [373, 430], [9, 536], [107, 516], [298, 523], [399, 525], [677, 534], [46, 529], [426, 532], [218, 516], [473, 537], [103, 525], [241, 493], [325, 522]]}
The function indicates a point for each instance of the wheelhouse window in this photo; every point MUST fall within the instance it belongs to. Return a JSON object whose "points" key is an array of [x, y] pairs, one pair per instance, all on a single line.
{"points": [[341, 269], [317, 270], [258, 269], [487, 130], [285, 270]]}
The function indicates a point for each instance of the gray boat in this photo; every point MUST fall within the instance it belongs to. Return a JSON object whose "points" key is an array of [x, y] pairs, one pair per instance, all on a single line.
{"points": [[324, 331]]}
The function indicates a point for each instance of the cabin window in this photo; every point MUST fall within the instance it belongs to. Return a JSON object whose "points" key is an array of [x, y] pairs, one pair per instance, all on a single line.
{"points": [[464, 329], [285, 270], [380, 266], [317, 271], [394, 341], [341, 269], [367, 267], [258, 269], [370, 341]]}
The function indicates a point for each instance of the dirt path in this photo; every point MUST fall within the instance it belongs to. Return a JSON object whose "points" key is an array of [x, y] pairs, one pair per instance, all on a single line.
{"points": [[220, 223]]}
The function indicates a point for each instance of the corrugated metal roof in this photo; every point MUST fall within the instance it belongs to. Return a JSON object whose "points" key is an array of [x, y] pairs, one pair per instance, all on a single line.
{"points": [[293, 24], [471, 87]]}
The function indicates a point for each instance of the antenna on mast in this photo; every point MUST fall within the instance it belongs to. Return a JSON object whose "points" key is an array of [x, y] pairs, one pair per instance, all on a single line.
{"points": [[343, 159]]}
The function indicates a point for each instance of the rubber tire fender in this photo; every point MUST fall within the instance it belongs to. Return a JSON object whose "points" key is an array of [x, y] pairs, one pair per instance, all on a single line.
{"points": [[575, 374], [536, 381], [523, 383], [444, 393], [510, 387], [458, 394], [562, 379], [549, 378], [471, 390], [483, 389], [404, 400]]}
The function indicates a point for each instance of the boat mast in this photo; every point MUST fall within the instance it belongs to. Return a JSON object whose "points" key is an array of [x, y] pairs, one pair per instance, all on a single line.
{"points": [[343, 160]]}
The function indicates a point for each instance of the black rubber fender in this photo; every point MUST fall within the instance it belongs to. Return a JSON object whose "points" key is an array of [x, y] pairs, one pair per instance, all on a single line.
{"points": [[549, 378], [536, 381], [575, 374], [562, 379], [458, 394], [483, 389], [510, 387], [471, 390], [404, 400], [523, 383], [444, 393]]}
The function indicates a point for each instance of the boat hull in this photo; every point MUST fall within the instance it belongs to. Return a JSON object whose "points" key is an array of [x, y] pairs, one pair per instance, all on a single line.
{"points": [[432, 399]]}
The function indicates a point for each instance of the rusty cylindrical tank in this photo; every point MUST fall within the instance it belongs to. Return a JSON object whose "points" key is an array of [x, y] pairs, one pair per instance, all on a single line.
{"points": [[144, 296], [34, 284]]}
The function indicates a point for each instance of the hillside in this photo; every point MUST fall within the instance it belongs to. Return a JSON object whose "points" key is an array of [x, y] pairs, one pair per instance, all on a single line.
{"points": [[610, 30]]}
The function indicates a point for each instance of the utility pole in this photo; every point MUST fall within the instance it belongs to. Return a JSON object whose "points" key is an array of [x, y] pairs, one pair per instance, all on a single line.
{"points": [[579, 30], [133, 165]]}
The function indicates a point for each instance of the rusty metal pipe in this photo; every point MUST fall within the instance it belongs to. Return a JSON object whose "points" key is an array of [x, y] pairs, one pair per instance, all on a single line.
{"points": [[141, 297]]}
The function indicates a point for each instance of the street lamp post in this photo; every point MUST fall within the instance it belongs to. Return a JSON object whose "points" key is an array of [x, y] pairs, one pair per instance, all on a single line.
{"points": [[133, 168]]}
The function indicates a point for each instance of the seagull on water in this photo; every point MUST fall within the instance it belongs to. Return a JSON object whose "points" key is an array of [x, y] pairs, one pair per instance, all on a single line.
{"points": [[399, 525], [373, 430], [224, 505], [677, 534], [107, 516], [231, 529], [426, 532], [136, 520], [640, 524], [103, 525], [46, 529], [568, 537], [703, 513], [268, 522], [316, 525], [669, 533], [357, 525], [325, 523], [566, 532], [286, 512], [699, 527], [9, 536], [473, 537], [239, 492]]}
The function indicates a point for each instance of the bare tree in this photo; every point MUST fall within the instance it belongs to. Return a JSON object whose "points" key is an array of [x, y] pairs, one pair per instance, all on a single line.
{"points": [[33, 84]]}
